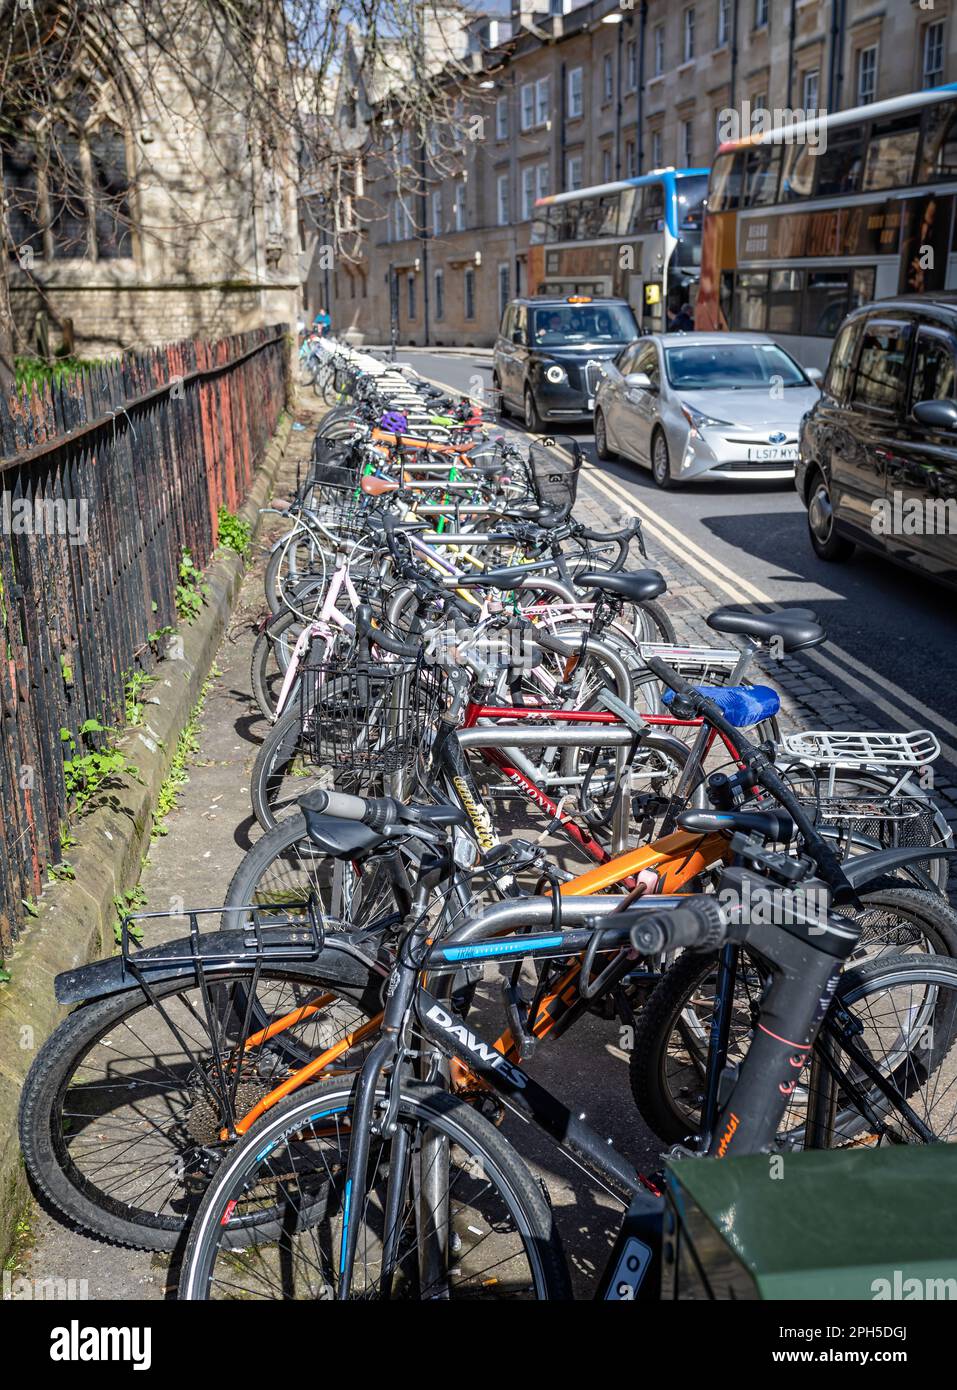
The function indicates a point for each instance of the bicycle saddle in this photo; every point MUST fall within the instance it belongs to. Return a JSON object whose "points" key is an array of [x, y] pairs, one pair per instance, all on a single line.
{"points": [[377, 487], [797, 628], [771, 825], [741, 705], [639, 587]]}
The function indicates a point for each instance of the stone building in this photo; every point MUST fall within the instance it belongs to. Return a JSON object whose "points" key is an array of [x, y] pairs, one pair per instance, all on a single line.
{"points": [[181, 215], [593, 92]]}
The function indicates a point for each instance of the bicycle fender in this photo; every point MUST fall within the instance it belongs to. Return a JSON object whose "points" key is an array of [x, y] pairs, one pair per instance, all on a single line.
{"points": [[864, 867], [339, 961]]}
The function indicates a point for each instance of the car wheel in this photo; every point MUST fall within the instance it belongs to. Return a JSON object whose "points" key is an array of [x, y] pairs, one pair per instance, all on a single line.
{"points": [[660, 461], [503, 405], [601, 438], [533, 421], [827, 543]]}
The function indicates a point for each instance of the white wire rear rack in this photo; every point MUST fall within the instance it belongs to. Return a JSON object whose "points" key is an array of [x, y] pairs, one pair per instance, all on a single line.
{"points": [[840, 748]]}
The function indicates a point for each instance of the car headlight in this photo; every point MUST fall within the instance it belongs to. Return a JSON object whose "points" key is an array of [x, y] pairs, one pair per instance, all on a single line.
{"points": [[699, 421], [555, 374]]}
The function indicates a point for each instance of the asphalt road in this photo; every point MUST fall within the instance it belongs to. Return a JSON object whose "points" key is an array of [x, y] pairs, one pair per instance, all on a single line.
{"points": [[892, 637]]}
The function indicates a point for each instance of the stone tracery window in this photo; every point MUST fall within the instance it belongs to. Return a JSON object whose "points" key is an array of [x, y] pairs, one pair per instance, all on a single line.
{"points": [[66, 180]]}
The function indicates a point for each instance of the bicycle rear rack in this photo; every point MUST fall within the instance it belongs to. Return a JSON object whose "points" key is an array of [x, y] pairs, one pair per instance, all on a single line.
{"points": [[295, 933], [839, 748]]}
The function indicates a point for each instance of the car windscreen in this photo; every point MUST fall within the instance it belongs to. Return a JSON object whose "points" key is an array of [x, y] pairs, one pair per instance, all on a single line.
{"points": [[565, 324], [731, 367]]}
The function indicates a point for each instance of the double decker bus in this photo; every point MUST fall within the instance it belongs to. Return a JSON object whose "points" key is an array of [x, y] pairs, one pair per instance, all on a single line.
{"points": [[811, 219], [638, 238]]}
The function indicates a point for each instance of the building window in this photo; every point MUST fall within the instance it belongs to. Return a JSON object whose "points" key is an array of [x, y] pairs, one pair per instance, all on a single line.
{"points": [[575, 93], [74, 205], [410, 290], [574, 173], [543, 181], [631, 66], [543, 99], [659, 49], [933, 74], [501, 118], [631, 160], [460, 207], [501, 200], [503, 293], [437, 212], [469, 293], [724, 23], [688, 30], [657, 150], [867, 75], [607, 78], [528, 105], [812, 89], [606, 166], [528, 193], [686, 154], [440, 294], [760, 14]]}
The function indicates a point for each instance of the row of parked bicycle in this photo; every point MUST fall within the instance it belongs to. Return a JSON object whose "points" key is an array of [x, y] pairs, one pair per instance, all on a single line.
{"points": [[322, 1078]]}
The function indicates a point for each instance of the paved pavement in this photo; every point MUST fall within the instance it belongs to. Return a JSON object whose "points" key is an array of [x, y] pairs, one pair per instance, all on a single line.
{"points": [[891, 633]]}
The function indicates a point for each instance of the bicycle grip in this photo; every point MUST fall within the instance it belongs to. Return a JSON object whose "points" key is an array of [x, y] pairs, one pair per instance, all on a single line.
{"points": [[341, 804], [696, 926]]}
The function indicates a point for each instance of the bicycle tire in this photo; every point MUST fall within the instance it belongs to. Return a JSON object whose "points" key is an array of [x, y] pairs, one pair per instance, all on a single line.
{"points": [[502, 1171], [43, 1137]]}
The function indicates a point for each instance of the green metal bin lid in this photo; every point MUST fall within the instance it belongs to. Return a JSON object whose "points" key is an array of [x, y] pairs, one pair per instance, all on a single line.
{"points": [[846, 1224]]}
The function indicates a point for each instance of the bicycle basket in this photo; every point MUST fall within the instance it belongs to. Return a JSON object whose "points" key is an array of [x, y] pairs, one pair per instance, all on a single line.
{"points": [[555, 476], [333, 462], [369, 719], [861, 822]]}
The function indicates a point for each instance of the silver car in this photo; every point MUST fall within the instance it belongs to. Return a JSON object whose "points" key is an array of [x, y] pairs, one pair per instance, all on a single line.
{"points": [[694, 405]]}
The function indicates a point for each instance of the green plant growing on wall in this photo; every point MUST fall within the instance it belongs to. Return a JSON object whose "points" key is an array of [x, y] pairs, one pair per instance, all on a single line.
{"points": [[190, 591], [125, 903], [91, 770], [135, 687], [234, 533]]}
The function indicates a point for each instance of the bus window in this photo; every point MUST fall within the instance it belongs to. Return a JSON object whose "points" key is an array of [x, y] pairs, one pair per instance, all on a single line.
{"points": [[725, 190], [784, 301], [797, 172], [652, 206], [761, 172], [891, 152], [938, 156], [750, 301], [840, 166], [862, 286], [628, 199], [598, 217], [842, 359], [825, 302]]}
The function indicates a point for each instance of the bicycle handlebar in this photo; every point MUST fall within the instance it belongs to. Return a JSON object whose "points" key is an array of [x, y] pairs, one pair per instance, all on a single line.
{"points": [[698, 925]]}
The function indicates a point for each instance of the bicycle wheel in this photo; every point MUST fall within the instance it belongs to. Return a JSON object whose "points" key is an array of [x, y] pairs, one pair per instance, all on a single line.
{"points": [[470, 1221], [121, 1112], [669, 1057], [270, 659]]}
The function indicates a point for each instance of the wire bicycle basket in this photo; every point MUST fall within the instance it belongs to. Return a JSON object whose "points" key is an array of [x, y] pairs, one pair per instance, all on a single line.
{"points": [[370, 719], [555, 476], [862, 822]]}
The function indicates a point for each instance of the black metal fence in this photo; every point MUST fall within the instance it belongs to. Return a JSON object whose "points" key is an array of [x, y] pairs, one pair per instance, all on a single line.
{"points": [[105, 478]]}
